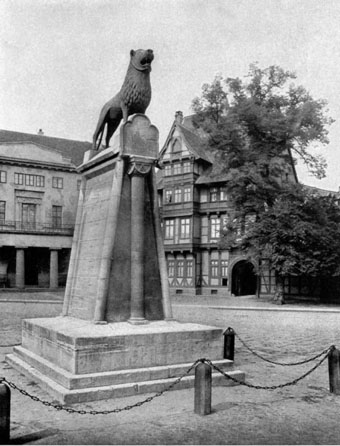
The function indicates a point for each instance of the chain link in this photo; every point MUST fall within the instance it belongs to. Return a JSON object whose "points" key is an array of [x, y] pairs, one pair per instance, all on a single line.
{"points": [[305, 361], [100, 412], [173, 384], [279, 386]]}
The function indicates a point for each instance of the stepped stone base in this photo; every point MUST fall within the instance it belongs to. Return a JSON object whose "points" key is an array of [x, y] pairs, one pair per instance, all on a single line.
{"points": [[78, 361]]}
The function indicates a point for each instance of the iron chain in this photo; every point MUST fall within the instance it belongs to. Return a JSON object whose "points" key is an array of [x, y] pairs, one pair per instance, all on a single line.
{"points": [[279, 386], [280, 363], [173, 384], [99, 412]]}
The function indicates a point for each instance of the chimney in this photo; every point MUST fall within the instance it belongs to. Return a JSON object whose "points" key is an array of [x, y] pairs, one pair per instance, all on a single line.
{"points": [[40, 132], [179, 117]]}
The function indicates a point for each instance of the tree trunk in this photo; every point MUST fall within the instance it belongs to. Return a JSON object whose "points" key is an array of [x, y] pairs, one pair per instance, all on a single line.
{"points": [[279, 291]]}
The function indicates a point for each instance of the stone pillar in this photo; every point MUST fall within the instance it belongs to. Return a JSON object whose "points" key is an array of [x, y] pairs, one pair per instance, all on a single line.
{"points": [[139, 168], [20, 268], [53, 268]]}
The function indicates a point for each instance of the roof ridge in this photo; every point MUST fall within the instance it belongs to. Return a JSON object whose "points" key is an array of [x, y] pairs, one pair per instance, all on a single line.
{"points": [[36, 135]]}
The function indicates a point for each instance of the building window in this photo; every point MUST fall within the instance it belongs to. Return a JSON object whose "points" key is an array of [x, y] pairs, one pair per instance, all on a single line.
{"points": [[167, 170], [40, 181], [168, 196], [18, 178], [185, 228], [225, 221], [177, 168], [186, 167], [189, 268], [180, 268], [57, 182], [171, 268], [224, 268], [57, 216], [29, 180], [223, 194], [215, 227], [214, 194], [214, 268], [78, 184], [187, 194], [29, 212], [3, 176], [2, 211], [178, 195], [169, 229]]}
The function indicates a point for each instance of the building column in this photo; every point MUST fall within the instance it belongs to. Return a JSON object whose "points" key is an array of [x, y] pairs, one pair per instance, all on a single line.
{"points": [[54, 268], [20, 268], [138, 170]]}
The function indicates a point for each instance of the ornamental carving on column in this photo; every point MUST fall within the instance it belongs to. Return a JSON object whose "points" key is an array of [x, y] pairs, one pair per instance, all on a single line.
{"points": [[139, 168]]}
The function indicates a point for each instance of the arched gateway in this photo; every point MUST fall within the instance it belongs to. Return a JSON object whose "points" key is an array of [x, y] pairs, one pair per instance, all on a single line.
{"points": [[243, 279]]}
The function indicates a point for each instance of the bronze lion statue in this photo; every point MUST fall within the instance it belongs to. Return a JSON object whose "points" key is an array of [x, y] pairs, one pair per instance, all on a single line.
{"points": [[133, 97]]}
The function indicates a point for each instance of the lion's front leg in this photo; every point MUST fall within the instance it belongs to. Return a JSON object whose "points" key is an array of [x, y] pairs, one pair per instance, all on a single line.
{"points": [[124, 111]]}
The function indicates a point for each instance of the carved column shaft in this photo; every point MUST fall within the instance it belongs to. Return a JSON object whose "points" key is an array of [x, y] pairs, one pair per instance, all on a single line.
{"points": [[138, 171]]}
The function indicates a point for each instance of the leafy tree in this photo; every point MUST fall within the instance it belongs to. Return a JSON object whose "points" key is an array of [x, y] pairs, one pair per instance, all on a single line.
{"points": [[255, 126], [299, 235]]}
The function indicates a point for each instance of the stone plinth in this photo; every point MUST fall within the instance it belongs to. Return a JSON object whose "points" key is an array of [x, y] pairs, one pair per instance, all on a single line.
{"points": [[76, 360]]}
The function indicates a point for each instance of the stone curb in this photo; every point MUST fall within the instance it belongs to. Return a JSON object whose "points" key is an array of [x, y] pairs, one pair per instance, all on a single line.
{"points": [[32, 301], [281, 308]]}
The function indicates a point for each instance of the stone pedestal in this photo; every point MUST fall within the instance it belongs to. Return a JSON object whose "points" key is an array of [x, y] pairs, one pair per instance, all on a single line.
{"points": [[116, 335]]}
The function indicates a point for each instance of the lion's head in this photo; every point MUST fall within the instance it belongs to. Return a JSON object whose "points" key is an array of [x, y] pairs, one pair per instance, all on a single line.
{"points": [[141, 59]]}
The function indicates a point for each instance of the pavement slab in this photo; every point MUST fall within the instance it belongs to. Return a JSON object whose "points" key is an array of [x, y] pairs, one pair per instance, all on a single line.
{"points": [[303, 413]]}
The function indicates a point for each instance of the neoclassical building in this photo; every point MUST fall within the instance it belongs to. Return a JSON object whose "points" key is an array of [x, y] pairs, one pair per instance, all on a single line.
{"points": [[39, 188], [195, 208]]}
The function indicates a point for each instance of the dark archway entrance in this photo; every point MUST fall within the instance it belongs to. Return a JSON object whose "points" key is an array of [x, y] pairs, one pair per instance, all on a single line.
{"points": [[244, 279]]}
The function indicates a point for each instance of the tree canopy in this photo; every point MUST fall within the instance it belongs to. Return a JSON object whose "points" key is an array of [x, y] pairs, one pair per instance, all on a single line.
{"points": [[255, 127], [299, 234]]}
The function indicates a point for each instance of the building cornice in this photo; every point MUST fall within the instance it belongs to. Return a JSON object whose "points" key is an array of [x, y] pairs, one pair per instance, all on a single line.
{"points": [[37, 164]]}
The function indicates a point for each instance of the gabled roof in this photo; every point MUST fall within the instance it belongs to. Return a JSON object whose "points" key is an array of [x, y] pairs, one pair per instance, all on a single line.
{"points": [[67, 147], [194, 142]]}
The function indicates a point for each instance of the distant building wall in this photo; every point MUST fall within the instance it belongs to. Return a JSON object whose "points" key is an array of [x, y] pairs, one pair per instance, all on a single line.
{"points": [[39, 189]]}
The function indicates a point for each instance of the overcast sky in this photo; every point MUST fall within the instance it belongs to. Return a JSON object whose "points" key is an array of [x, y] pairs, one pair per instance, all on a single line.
{"points": [[62, 60]]}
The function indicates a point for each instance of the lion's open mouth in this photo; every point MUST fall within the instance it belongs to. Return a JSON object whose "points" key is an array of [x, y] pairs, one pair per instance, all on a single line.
{"points": [[147, 59]]}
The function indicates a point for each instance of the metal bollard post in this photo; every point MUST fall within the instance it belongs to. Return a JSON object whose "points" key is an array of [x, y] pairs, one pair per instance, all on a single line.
{"points": [[334, 371], [202, 389], [5, 409], [229, 344]]}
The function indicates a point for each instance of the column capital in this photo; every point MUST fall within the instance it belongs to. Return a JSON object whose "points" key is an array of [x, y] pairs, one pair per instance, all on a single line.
{"points": [[140, 165]]}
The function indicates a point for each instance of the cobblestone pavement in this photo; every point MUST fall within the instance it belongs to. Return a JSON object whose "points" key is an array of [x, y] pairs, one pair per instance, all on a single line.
{"points": [[17, 306], [304, 413]]}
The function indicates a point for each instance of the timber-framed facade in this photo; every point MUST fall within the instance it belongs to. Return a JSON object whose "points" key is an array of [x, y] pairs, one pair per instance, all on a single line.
{"points": [[195, 208]]}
